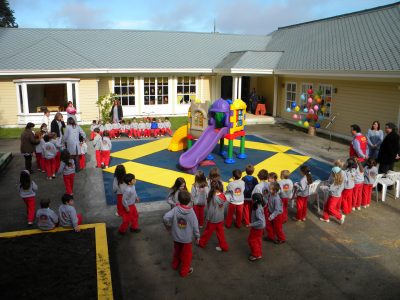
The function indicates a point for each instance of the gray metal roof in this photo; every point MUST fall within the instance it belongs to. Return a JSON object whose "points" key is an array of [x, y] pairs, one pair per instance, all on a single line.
{"points": [[250, 60], [365, 41]]}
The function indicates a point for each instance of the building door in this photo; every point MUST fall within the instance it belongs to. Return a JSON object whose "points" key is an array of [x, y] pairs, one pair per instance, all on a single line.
{"points": [[226, 87], [245, 89]]}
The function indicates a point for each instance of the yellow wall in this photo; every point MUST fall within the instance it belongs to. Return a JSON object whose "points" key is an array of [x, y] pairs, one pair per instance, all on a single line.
{"points": [[265, 88], [356, 102], [88, 96], [8, 103], [206, 89], [105, 85]]}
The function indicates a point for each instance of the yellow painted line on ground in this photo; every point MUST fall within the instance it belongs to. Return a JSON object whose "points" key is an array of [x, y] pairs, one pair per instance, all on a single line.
{"points": [[261, 146], [142, 150], [104, 282], [279, 162]]}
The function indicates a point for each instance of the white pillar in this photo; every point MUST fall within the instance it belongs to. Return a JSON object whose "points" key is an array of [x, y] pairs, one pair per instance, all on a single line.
{"points": [[239, 96], [234, 87], [275, 105], [25, 98]]}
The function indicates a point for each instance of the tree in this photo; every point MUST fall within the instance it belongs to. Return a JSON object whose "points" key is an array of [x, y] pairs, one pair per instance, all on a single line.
{"points": [[7, 18]]}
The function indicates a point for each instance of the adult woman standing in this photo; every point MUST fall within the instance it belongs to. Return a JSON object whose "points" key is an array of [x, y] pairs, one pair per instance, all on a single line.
{"points": [[28, 143], [58, 125], [116, 113], [389, 149], [375, 138], [71, 140]]}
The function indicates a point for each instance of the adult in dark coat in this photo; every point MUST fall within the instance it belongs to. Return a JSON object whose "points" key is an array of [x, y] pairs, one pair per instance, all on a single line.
{"points": [[389, 149], [58, 125], [28, 143], [116, 113]]}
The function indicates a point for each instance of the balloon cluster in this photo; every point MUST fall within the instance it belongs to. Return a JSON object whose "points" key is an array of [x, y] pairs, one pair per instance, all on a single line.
{"points": [[312, 111]]}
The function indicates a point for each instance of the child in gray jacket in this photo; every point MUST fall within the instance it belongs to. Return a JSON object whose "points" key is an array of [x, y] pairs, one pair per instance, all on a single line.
{"points": [[46, 217], [235, 196], [370, 172], [257, 226], [335, 194], [181, 221]]}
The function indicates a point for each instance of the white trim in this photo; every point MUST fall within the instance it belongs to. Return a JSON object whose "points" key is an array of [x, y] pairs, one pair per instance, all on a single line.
{"points": [[239, 88], [350, 74], [275, 105], [244, 71], [45, 80]]}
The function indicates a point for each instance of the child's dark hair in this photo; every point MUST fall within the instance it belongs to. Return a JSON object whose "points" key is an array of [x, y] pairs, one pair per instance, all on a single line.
{"points": [[120, 173], [128, 178], [81, 139], [154, 119], [237, 174], [46, 138], [351, 164], [66, 198], [214, 174], [184, 197], [94, 122], [166, 118], [306, 171], [25, 179], [97, 130], [200, 179], [370, 162], [249, 169], [258, 199], [356, 128], [44, 203], [178, 182], [273, 175], [262, 174], [123, 122], [65, 157], [274, 186], [106, 133], [43, 125], [215, 185]]}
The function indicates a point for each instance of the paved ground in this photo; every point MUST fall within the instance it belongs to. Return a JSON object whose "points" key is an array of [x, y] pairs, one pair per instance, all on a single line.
{"points": [[357, 260]]}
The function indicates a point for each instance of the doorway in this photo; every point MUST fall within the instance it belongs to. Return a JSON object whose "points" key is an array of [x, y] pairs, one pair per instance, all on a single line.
{"points": [[245, 89], [226, 87]]}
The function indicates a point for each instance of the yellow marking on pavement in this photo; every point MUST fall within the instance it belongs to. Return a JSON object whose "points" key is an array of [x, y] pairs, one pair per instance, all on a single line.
{"points": [[261, 146], [142, 150]]}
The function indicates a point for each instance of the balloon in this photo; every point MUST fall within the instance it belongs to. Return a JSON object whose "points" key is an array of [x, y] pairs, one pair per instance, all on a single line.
{"points": [[316, 107], [294, 104], [310, 91], [310, 100], [302, 97], [295, 116], [317, 125], [315, 118], [323, 109], [318, 100], [288, 109], [306, 124], [309, 116], [321, 117], [300, 122], [297, 108], [305, 110], [311, 111]]}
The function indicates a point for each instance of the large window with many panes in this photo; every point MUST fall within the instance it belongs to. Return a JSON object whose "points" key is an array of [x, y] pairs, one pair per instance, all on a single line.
{"points": [[290, 94], [155, 90], [124, 88], [186, 89], [304, 99], [326, 99]]}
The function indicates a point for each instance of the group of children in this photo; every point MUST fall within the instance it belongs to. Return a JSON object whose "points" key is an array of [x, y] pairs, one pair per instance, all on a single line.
{"points": [[142, 128]]}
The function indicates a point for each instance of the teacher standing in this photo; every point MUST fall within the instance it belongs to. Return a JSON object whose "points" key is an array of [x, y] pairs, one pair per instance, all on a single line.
{"points": [[71, 139], [116, 113], [28, 143], [389, 149]]}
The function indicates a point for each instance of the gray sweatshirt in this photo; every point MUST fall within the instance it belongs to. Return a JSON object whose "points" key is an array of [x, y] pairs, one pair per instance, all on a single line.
{"points": [[65, 169], [172, 199], [30, 192], [258, 218], [349, 178], [49, 150], [68, 217], [97, 142], [199, 195], [106, 144], [236, 189], [46, 219], [302, 187], [359, 176], [118, 188], [39, 147], [275, 206], [335, 190], [286, 188], [129, 197], [216, 208], [370, 175], [183, 223]]}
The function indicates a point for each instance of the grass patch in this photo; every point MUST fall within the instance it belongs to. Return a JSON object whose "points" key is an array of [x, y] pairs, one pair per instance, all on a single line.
{"points": [[10, 133]]}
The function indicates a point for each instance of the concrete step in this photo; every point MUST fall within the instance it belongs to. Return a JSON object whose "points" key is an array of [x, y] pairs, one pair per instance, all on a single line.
{"points": [[259, 119], [5, 158]]}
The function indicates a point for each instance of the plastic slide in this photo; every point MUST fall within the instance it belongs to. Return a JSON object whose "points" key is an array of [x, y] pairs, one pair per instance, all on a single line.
{"points": [[179, 141], [204, 145]]}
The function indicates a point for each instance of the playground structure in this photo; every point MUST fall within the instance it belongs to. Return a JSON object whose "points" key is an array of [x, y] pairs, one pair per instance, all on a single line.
{"points": [[225, 120]]}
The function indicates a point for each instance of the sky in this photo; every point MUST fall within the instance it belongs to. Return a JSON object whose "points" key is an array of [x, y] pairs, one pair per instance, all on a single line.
{"points": [[231, 16]]}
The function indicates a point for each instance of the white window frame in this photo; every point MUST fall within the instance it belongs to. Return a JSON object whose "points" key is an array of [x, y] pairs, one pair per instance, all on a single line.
{"points": [[128, 85], [292, 92], [183, 94], [156, 87], [305, 86], [328, 112]]}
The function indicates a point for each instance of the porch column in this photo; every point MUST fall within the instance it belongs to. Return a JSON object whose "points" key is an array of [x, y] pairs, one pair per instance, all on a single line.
{"points": [[239, 96], [274, 108]]}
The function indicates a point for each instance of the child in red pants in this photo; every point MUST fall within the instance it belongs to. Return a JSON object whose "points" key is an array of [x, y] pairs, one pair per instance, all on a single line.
{"points": [[274, 215], [199, 195], [167, 127], [370, 172], [182, 222], [286, 192], [257, 226], [67, 213], [97, 146], [358, 187], [235, 193], [249, 183], [67, 168], [302, 193], [130, 215], [82, 156], [349, 183], [106, 147], [119, 187], [215, 216], [27, 191], [49, 154]]}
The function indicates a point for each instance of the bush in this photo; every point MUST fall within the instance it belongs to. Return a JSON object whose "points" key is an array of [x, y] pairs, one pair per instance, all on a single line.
{"points": [[105, 103]]}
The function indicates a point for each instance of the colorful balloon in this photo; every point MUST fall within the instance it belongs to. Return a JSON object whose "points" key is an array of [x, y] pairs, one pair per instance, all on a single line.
{"points": [[306, 124], [288, 109], [316, 107], [297, 108], [309, 100], [311, 111], [323, 109], [295, 116], [300, 122], [318, 100], [302, 97], [294, 104], [305, 110], [315, 118], [317, 125], [310, 91]]}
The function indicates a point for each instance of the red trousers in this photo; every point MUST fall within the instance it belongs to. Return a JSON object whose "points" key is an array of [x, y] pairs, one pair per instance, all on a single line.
{"points": [[199, 211], [301, 205], [140, 133], [210, 228], [80, 218], [114, 133], [239, 215], [182, 256], [147, 132], [247, 207], [339, 204], [274, 228], [285, 203], [331, 208], [134, 133], [69, 183], [154, 132], [50, 166], [120, 207], [58, 162], [366, 194], [82, 161], [357, 194], [131, 217], [105, 157], [30, 208], [92, 135], [168, 131], [98, 158], [347, 201], [255, 242], [39, 161]]}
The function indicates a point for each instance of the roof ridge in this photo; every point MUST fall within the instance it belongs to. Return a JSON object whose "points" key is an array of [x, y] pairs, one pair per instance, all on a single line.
{"points": [[360, 12]]}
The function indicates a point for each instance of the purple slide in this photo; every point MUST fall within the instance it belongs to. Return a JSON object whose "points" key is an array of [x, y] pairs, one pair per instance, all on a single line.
{"points": [[204, 145]]}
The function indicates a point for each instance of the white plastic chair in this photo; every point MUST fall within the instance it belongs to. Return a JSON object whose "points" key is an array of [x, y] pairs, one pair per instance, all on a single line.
{"points": [[385, 182], [395, 177], [312, 190]]}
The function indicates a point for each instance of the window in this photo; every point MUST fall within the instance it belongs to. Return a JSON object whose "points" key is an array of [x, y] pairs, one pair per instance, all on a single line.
{"points": [[326, 99], [304, 88], [155, 90], [21, 99], [186, 89], [124, 87], [53, 96], [290, 94]]}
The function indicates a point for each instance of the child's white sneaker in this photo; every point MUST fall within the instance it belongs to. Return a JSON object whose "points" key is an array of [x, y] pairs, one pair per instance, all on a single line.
{"points": [[358, 208], [364, 206], [218, 248], [353, 209], [323, 220], [342, 219]]}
